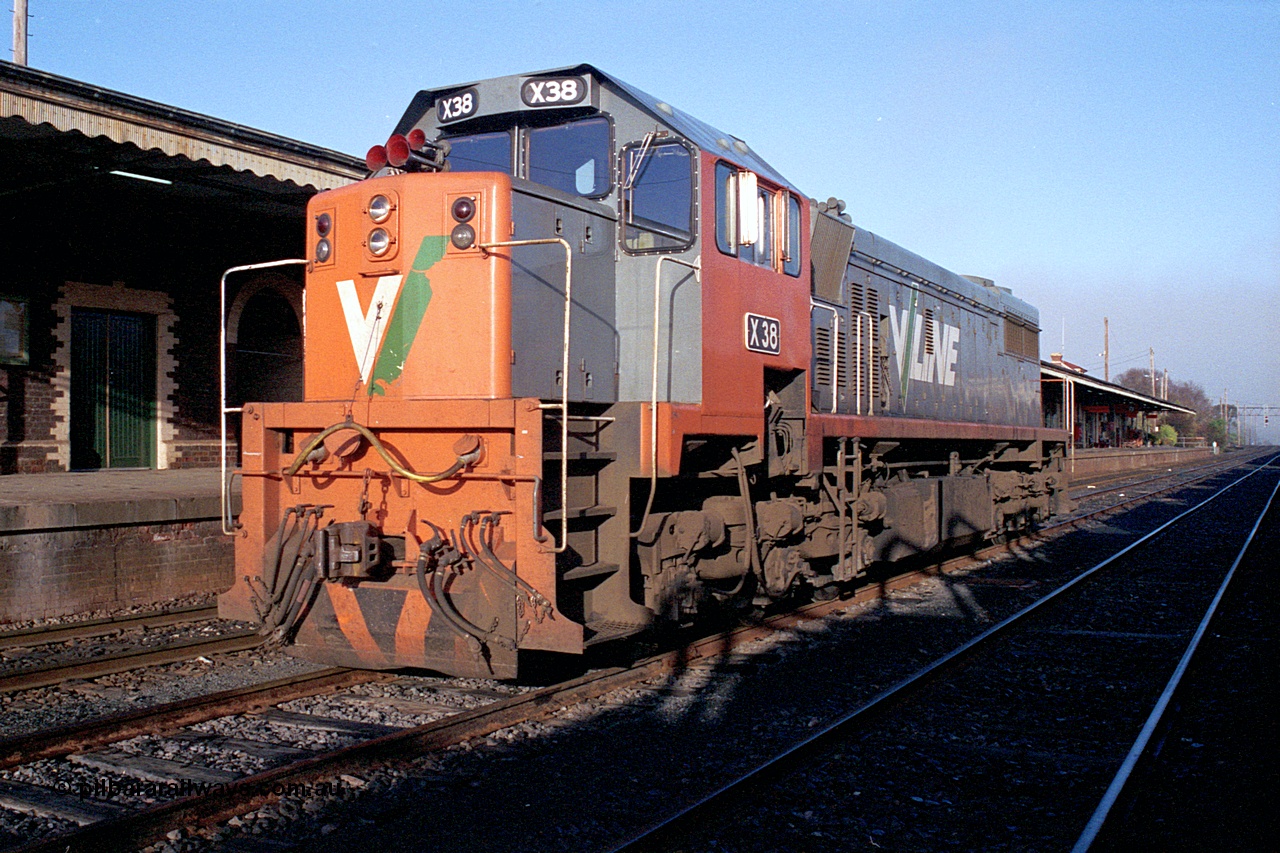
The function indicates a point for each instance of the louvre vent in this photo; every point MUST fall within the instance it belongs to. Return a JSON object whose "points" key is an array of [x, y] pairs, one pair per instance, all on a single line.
{"points": [[1021, 341], [822, 355]]}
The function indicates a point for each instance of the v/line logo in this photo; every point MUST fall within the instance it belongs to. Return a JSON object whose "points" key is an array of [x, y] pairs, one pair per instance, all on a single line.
{"points": [[383, 333], [939, 366]]}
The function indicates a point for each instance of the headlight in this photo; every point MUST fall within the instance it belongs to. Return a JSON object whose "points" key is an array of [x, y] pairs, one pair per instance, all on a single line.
{"points": [[379, 208], [463, 236], [379, 241], [323, 250]]}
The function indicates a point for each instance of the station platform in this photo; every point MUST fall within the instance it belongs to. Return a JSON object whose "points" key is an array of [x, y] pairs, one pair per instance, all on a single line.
{"points": [[1092, 461], [102, 540]]}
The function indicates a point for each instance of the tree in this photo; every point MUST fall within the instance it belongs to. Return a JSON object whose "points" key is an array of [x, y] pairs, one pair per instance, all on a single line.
{"points": [[1187, 394]]}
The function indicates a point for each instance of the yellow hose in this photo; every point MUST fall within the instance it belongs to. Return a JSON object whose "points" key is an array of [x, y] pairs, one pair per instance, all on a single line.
{"points": [[461, 462]]}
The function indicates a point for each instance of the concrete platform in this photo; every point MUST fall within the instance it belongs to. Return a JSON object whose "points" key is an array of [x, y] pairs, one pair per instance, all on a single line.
{"points": [[1106, 460], [31, 502], [106, 540]]}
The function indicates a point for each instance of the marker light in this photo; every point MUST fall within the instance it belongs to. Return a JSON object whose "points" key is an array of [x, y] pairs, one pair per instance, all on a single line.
{"points": [[324, 224], [379, 241], [379, 208], [463, 209], [376, 158], [397, 150]]}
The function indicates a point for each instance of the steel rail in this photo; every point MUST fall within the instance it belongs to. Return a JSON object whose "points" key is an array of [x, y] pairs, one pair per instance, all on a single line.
{"points": [[1100, 814], [133, 659], [673, 829], [78, 737], [45, 634]]}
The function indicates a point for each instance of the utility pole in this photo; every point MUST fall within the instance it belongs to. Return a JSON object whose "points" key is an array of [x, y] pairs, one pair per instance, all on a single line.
{"points": [[1164, 394], [19, 32], [1106, 349], [1152, 352]]}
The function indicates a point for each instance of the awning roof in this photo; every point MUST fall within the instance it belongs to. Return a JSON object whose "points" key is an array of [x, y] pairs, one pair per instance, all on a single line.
{"points": [[1050, 370], [39, 98]]}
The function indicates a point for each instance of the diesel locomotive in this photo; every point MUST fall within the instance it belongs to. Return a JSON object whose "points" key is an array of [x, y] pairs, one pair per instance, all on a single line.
{"points": [[578, 365]]}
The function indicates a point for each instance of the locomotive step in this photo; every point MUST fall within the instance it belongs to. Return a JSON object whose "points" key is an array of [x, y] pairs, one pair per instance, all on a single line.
{"points": [[591, 570], [603, 632], [581, 456], [582, 512]]}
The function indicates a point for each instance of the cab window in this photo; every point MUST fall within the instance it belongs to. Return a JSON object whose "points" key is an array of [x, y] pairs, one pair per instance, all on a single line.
{"points": [[761, 253], [572, 158], [792, 264], [768, 214], [481, 152], [658, 197], [726, 226]]}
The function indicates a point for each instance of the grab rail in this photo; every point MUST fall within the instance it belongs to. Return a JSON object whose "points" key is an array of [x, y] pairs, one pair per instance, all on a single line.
{"points": [[228, 524], [696, 266], [563, 405]]}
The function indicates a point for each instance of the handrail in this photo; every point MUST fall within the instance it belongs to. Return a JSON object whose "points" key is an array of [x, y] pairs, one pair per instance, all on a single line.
{"points": [[696, 266], [858, 359], [563, 405], [228, 527]]}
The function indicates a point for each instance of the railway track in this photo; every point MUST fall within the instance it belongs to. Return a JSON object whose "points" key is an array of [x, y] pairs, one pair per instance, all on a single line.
{"points": [[1015, 678], [86, 629], [83, 661], [114, 829]]}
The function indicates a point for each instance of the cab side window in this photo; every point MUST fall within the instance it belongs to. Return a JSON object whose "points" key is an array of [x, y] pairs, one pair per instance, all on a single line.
{"points": [[791, 265], [769, 220], [761, 254], [657, 197]]}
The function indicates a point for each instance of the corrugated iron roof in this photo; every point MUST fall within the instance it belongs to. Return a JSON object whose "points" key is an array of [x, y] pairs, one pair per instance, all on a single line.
{"points": [[68, 105], [1058, 372]]}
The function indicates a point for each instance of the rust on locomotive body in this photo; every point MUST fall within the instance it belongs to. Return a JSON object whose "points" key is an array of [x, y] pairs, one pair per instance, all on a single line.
{"points": [[577, 364]]}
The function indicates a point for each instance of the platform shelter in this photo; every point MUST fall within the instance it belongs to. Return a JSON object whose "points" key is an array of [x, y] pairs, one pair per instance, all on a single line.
{"points": [[120, 215], [1113, 427]]}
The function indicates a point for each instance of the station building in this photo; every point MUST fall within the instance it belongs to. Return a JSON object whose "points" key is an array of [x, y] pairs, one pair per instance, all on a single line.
{"points": [[119, 217], [1111, 426]]}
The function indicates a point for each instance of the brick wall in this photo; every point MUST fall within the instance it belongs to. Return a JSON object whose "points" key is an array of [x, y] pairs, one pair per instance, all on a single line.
{"points": [[56, 572]]}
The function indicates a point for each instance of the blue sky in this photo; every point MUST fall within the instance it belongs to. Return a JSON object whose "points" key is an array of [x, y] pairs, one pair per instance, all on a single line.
{"points": [[1117, 159]]}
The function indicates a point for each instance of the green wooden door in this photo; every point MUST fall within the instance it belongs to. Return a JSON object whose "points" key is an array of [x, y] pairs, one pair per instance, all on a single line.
{"points": [[113, 381]]}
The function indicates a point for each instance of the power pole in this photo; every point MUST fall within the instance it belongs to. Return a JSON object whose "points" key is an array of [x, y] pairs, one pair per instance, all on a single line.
{"points": [[1164, 394], [1106, 349], [19, 32], [1152, 352]]}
